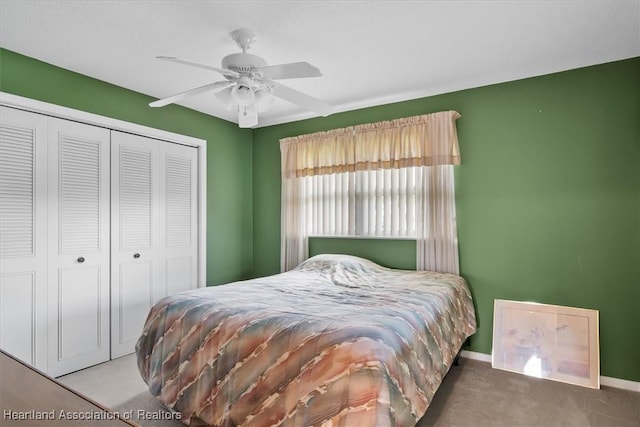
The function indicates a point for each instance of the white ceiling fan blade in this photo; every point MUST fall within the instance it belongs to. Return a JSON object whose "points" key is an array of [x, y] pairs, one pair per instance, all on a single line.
{"points": [[247, 116], [295, 70], [305, 101], [222, 71], [192, 92]]}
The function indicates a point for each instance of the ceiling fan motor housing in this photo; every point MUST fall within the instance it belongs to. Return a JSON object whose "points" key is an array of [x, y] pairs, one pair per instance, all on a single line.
{"points": [[243, 63]]}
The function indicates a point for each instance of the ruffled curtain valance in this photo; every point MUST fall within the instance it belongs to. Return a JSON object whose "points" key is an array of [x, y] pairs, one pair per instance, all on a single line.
{"points": [[425, 140]]}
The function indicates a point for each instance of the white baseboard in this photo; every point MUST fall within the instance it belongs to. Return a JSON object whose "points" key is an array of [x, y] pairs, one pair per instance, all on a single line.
{"points": [[474, 355], [607, 381], [618, 383]]}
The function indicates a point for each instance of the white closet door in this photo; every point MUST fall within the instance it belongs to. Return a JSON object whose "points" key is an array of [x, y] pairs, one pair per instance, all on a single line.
{"points": [[78, 246], [154, 230], [135, 282], [23, 234], [179, 221]]}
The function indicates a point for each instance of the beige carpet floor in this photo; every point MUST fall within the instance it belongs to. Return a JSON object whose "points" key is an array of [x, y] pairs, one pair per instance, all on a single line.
{"points": [[472, 394]]}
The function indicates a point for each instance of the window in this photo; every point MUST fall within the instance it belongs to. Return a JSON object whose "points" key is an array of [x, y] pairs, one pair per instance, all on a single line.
{"points": [[387, 179], [378, 203]]}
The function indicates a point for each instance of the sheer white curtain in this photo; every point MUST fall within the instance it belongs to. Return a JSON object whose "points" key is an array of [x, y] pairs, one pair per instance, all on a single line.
{"points": [[437, 235], [387, 179]]}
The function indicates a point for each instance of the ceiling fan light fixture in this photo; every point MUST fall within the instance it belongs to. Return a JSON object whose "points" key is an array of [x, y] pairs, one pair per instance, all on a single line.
{"points": [[242, 95], [224, 96], [264, 100]]}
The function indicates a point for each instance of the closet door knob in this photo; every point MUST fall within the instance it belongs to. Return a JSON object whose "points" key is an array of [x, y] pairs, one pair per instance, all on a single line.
{"points": [[80, 259], [136, 255]]}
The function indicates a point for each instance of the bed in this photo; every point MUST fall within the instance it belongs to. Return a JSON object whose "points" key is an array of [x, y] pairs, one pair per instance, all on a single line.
{"points": [[338, 341]]}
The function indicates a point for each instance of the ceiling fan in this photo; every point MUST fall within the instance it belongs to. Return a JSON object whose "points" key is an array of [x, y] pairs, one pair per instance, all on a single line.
{"points": [[250, 85]]}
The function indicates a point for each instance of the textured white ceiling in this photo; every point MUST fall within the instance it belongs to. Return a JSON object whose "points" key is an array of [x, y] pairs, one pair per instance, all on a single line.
{"points": [[370, 52]]}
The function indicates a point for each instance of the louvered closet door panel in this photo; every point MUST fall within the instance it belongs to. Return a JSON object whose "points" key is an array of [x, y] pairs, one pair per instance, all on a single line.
{"points": [[179, 252], [79, 234], [23, 245], [136, 282], [154, 230]]}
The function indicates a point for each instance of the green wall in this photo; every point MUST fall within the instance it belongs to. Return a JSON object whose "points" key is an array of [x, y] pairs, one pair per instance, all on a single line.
{"points": [[229, 202], [547, 196]]}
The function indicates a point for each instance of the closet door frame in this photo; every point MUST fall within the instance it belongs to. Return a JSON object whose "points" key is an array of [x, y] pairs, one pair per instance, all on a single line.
{"points": [[35, 106]]}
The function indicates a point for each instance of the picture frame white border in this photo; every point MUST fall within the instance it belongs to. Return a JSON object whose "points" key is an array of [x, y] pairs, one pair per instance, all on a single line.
{"points": [[592, 316]]}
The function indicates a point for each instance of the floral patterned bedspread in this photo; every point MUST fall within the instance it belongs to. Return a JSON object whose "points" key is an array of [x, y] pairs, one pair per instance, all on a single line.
{"points": [[338, 341]]}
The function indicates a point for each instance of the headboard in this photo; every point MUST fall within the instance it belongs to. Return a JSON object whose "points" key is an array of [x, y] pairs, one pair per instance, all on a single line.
{"points": [[392, 253]]}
